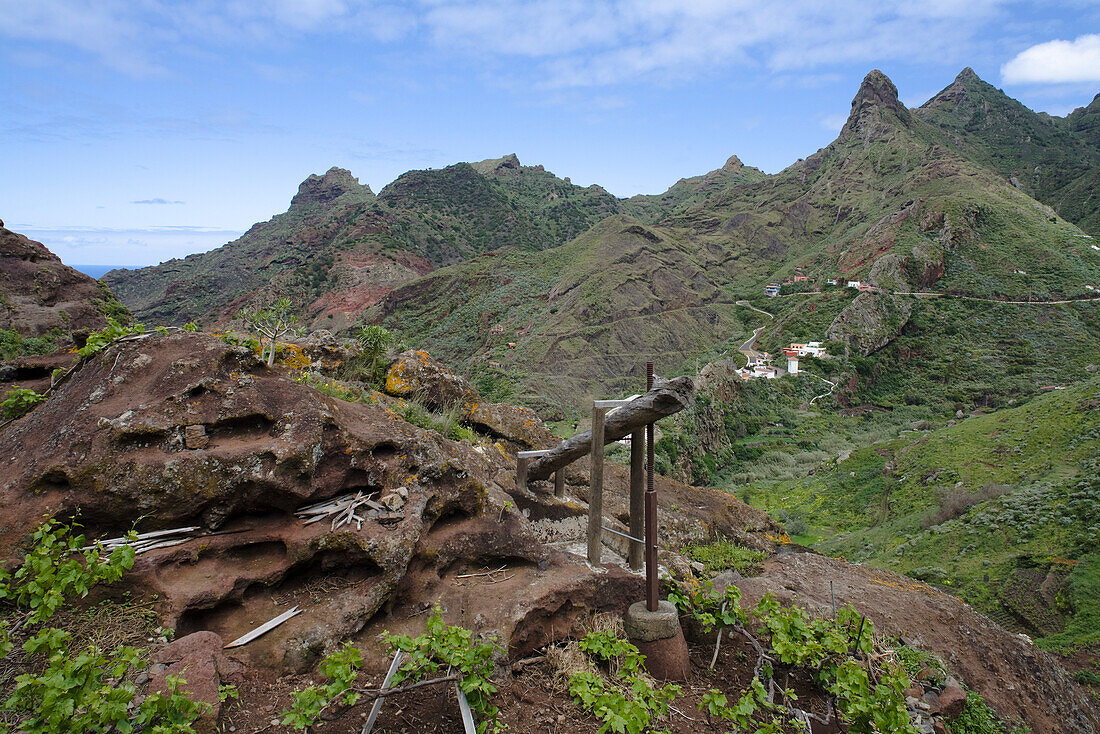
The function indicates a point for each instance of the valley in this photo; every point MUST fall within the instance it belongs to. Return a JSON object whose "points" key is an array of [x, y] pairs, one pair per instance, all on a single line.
{"points": [[935, 458]]}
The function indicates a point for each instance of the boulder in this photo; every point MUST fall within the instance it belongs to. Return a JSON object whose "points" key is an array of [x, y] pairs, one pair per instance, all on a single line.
{"points": [[519, 425], [197, 659], [952, 699], [414, 374]]}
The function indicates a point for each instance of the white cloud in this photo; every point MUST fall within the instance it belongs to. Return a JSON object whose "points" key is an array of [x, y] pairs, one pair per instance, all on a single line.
{"points": [[1056, 62], [572, 43]]}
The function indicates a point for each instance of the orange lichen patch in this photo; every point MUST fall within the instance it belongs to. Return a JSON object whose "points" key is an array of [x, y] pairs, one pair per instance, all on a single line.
{"points": [[398, 379], [899, 583], [293, 356]]}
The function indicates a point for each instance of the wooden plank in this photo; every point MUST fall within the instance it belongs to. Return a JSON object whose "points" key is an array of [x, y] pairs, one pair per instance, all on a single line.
{"points": [[464, 709], [595, 491], [521, 472], [377, 705], [559, 483], [532, 454], [264, 628], [666, 398], [636, 553], [608, 404]]}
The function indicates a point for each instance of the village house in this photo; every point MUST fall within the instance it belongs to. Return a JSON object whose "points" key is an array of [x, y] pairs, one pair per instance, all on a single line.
{"points": [[854, 284], [792, 360], [771, 290]]}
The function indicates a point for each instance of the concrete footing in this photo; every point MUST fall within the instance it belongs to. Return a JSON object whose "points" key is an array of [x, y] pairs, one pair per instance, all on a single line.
{"points": [[659, 637]]}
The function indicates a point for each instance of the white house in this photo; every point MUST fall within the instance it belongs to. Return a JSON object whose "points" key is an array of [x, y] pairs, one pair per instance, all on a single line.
{"points": [[792, 359], [854, 284], [811, 349]]}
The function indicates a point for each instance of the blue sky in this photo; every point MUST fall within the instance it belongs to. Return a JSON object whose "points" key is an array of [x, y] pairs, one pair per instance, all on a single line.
{"points": [[138, 131]]}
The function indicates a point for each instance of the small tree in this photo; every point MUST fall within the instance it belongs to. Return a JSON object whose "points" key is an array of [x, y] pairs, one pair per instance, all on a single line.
{"points": [[271, 322], [375, 341]]}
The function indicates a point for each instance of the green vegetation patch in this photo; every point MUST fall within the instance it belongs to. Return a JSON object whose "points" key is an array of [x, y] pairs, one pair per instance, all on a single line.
{"points": [[725, 555]]}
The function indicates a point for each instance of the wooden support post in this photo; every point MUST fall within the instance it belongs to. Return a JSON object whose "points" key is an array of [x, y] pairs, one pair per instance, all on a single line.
{"points": [[521, 472], [559, 483], [637, 499], [595, 492]]}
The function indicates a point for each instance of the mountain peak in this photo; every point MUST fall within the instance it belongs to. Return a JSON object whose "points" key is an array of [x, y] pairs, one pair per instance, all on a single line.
{"points": [[506, 165], [334, 183], [733, 163], [877, 95], [967, 75]]}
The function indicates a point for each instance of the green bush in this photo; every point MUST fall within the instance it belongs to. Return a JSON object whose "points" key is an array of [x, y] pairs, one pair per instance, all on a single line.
{"points": [[19, 401], [99, 340], [69, 691], [13, 344], [725, 555], [623, 701]]}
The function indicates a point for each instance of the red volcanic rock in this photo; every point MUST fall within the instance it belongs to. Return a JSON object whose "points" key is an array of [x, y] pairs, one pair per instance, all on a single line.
{"points": [[38, 293]]}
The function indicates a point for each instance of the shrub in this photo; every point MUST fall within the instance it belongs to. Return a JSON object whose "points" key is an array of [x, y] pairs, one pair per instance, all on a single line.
{"points": [[86, 691], [19, 401], [954, 502], [725, 555]]}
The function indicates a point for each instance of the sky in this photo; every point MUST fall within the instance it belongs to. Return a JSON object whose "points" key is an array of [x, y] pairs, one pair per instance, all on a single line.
{"points": [[137, 131]]}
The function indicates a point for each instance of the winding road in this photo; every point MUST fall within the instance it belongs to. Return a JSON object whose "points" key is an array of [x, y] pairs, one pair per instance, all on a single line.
{"points": [[747, 348]]}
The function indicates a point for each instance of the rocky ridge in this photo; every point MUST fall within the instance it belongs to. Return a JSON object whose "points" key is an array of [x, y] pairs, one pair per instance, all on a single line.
{"points": [[39, 294]]}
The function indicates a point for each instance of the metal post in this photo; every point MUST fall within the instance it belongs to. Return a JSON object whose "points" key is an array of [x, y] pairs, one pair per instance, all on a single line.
{"points": [[652, 590], [595, 492], [559, 482], [637, 498]]}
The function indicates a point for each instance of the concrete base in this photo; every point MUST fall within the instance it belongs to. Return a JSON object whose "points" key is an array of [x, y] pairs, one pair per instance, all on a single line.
{"points": [[659, 637]]}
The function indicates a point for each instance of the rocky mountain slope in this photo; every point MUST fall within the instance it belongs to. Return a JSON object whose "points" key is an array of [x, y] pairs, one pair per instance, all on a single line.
{"points": [[181, 429], [338, 248], [1053, 159], [42, 297], [887, 203]]}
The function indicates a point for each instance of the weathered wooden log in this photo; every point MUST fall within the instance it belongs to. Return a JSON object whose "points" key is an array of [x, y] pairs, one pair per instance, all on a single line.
{"points": [[667, 397]]}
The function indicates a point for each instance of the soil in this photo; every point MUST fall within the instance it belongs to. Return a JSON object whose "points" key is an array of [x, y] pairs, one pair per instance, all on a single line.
{"points": [[533, 701]]}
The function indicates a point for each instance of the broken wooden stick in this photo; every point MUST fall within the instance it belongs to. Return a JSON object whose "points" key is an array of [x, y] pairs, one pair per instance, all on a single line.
{"points": [[264, 628]]}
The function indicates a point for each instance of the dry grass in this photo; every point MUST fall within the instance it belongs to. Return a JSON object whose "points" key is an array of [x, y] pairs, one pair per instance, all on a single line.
{"points": [[955, 501]]}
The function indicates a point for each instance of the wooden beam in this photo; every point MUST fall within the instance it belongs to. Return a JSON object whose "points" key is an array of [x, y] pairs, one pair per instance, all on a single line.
{"points": [[636, 555], [521, 472], [559, 483], [595, 492], [666, 398]]}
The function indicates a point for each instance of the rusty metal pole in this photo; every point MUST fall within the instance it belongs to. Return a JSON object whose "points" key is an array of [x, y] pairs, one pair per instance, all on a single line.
{"points": [[652, 590], [636, 555]]}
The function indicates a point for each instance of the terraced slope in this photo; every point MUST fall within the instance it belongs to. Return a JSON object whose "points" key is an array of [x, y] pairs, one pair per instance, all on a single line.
{"points": [[990, 507], [886, 203]]}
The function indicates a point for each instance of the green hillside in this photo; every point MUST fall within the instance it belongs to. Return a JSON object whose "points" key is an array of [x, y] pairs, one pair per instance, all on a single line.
{"points": [[338, 247], [990, 506], [1053, 159], [886, 203], [688, 192]]}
